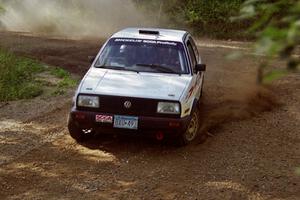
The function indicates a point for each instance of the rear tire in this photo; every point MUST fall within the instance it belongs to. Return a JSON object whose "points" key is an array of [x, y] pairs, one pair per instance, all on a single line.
{"points": [[192, 131]]}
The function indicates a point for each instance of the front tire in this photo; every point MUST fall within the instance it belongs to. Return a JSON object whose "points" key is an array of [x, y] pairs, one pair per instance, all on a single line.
{"points": [[192, 130], [75, 132]]}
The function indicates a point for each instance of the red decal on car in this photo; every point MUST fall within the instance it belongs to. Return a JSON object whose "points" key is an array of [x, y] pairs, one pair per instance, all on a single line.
{"points": [[104, 118], [190, 92]]}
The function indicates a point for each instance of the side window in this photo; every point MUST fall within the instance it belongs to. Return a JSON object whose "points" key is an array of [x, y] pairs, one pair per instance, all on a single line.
{"points": [[195, 48], [192, 54]]}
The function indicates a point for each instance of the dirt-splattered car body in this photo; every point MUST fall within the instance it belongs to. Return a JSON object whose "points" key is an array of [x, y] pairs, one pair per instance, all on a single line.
{"points": [[143, 81]]}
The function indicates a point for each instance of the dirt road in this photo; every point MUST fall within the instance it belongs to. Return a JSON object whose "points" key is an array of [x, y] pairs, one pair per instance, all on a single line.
{"points": [[252, 155]]}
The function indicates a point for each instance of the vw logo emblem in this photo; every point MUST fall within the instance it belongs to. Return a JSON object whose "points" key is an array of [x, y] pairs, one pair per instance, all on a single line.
{"points": [[127, 104]]}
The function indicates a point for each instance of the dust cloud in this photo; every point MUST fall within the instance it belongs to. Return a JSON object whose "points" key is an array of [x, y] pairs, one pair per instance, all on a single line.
{"points": [[243, 105], [231, 89], [236, 97], [72, 18]]}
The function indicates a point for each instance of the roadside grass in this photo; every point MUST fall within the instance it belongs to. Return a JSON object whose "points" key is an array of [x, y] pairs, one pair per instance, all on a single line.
{"points": [[59, 72], [17, 77], [66, 81], [20, 78]]}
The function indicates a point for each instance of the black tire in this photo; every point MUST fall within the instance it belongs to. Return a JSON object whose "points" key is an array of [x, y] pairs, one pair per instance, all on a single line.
{"points": [[192, 131], [76, 132]]}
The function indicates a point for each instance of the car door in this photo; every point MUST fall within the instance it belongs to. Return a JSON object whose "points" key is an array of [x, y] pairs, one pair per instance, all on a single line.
{"points": [[194, 58]]}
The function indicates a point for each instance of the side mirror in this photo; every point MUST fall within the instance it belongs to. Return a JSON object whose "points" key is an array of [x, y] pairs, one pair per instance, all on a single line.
{"points": [[91, 59], [200, 68]]}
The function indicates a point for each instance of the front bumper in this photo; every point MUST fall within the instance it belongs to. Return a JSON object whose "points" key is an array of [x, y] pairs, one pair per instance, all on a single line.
{"points": [[146, 125]]}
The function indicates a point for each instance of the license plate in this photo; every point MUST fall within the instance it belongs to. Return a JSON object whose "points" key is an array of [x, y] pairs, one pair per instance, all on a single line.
{"points": [[126, 122]]}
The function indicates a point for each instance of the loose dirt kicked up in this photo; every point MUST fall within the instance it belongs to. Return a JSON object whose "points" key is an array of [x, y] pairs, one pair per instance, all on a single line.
{"points": [[254, 155]]}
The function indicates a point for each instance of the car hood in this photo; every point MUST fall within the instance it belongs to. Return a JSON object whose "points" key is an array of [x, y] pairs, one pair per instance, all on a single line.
{"points": [[132, 84]]}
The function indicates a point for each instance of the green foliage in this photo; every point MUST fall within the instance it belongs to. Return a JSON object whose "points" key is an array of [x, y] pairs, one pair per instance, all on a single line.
{"points": [[1, 7], [20, 78], [277, 26], [210, 18], [66, 82], [213, 17], [17, 77], [63, 85], [59, 72], [273, 75]]}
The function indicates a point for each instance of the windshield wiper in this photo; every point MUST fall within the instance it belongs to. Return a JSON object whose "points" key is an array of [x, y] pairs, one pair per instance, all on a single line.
{"points": [[158, 68], [116, 68]]}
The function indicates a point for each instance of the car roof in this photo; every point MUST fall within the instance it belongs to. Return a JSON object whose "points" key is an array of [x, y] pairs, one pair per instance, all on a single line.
{"points": [[152, 34]]}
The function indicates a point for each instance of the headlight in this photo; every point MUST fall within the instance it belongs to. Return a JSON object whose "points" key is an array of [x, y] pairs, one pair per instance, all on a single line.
{"points": [[88, 101], [168, 108]]}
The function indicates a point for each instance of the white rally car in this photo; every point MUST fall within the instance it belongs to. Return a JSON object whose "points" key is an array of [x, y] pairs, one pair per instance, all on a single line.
{"points": [[144, 81]]}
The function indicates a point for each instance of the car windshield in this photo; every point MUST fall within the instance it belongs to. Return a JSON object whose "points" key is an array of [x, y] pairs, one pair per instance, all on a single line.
{"points": [[143, 56]]}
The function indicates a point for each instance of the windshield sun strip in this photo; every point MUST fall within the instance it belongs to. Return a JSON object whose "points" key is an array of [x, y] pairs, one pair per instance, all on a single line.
{"points": [[185, 68]]}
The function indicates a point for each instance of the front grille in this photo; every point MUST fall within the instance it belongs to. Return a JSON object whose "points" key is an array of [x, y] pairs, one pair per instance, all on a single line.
{"points": [[139, 106]]}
